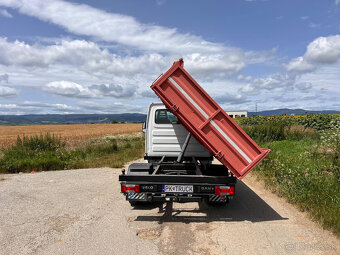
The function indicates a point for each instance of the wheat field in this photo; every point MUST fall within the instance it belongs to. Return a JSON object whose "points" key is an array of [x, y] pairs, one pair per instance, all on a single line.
{"points": [[71, 133]]}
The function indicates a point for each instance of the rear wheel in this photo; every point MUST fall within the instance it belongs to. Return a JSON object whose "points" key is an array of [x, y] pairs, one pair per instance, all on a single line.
{"points": [[133, 203]]}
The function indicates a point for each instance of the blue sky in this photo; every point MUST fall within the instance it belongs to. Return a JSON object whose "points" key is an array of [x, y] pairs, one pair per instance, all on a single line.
{"points": [[102, 56]]}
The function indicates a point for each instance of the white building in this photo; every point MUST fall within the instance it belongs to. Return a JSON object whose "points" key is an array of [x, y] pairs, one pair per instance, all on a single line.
{"points": [[237, 114]]}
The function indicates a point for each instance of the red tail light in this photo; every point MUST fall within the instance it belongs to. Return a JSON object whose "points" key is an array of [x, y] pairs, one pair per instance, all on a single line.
{"points": [[224, 190], [130, 188]]}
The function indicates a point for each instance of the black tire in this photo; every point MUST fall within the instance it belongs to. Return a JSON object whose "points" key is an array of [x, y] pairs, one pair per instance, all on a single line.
{"points": [[203, 204], [133, 203]]}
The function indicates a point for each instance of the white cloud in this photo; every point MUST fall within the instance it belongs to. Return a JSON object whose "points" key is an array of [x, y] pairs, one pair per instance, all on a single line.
{"points": [[248, 90], [127, 57], [323, 50], [29, 107], [304, 17], [5, 13], [325, 78], [113, 90], [77, 52], [82, 19], [54, 107], [89, 57], [157, 45], [32, 107], [205, 64], [72, 89], [231, 99], [95, 107], [299, 64], [337, 2], [281, 81], [69, 89], [7, 92]]}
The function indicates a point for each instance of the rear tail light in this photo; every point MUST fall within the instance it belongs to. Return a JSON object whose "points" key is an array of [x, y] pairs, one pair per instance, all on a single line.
{"points": [[130, 188], [224, 190]]}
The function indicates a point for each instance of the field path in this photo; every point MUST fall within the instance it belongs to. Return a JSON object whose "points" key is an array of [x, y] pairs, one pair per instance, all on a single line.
{"points": [[83, 212]]}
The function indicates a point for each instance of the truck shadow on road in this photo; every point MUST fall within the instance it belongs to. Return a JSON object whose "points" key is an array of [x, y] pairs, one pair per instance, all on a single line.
{"points": [[246, 206]]}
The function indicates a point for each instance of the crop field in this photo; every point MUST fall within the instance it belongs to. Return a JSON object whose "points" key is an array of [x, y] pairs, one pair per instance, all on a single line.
{"points": [[72, 134]]}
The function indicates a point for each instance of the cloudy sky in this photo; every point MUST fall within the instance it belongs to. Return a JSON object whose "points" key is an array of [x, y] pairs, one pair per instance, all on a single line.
{"points": [[96, 56]]}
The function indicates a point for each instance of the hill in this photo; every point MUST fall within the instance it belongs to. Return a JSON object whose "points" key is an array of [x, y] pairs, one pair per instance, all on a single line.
{"points": [[52, 119]]}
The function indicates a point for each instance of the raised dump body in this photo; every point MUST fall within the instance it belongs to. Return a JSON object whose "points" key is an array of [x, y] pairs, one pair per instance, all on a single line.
{"points": [[207, 121]]}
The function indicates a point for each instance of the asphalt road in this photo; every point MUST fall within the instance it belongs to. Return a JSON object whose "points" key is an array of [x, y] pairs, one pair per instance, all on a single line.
{"points": [[83, 212]]}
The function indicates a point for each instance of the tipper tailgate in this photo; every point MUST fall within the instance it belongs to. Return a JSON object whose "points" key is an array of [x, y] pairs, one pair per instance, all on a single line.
{"points": [[207, 121]]}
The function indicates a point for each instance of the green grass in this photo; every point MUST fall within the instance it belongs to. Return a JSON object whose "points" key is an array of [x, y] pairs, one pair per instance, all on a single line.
{"points": [[303, 165], [108, 155], [307, 174], [48, 152]]}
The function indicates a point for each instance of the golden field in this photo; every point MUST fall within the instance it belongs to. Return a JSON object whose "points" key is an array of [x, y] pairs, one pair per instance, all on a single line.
{"points": [[71, 133]]}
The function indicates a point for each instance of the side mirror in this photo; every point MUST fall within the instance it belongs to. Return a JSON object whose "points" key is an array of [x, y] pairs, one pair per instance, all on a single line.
{"points": [[144, 127]]}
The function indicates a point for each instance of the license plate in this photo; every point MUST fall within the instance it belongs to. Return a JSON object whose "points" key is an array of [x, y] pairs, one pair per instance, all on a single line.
{"points": [[178, 188]]}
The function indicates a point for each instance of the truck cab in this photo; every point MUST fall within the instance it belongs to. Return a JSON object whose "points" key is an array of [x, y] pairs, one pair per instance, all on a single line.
{"points": [[164, 136]]}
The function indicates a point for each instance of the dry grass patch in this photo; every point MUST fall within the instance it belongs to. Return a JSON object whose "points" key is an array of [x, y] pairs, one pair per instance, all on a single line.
{"points": [[72, 134]]}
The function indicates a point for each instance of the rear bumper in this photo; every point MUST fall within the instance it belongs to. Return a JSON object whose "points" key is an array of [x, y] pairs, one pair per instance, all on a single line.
{"points": [[151, 187], [180, 198]]}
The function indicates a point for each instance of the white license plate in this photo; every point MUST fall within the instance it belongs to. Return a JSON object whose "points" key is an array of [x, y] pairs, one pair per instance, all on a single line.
{"points": [[178, 189]]}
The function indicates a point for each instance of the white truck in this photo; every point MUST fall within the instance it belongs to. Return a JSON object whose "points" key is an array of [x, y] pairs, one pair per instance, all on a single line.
{"points": [[179, 168]]}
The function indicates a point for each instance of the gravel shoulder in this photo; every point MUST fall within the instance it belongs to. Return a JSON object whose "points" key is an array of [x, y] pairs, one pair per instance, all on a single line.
{"points": [[83, 212]]}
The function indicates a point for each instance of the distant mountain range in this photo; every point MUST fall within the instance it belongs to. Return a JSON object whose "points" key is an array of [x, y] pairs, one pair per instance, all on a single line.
{"points": [[52, 119]]}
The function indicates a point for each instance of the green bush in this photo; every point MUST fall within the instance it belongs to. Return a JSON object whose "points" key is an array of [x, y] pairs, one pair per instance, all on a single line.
{"points": [[40, 143], [315, 121], [44, 152], [298, 132]]}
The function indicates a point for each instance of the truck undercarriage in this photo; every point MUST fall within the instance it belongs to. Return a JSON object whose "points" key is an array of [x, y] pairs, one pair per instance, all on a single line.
{"points": [[169, 180]]}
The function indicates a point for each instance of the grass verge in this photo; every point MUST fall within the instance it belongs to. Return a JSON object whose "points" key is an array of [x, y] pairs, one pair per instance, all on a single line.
{"points": [[307, 174], [48, 152]]}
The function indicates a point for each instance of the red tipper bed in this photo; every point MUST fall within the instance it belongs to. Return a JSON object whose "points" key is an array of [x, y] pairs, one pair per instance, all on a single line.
{"points": [[207, 121]]}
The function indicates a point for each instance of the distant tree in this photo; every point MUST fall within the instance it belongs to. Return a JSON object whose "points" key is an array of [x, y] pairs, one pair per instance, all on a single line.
{"points": [[114, 122]]}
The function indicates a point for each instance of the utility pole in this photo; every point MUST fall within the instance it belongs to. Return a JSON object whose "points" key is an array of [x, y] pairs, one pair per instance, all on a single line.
{"points": [[256, 108]]}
